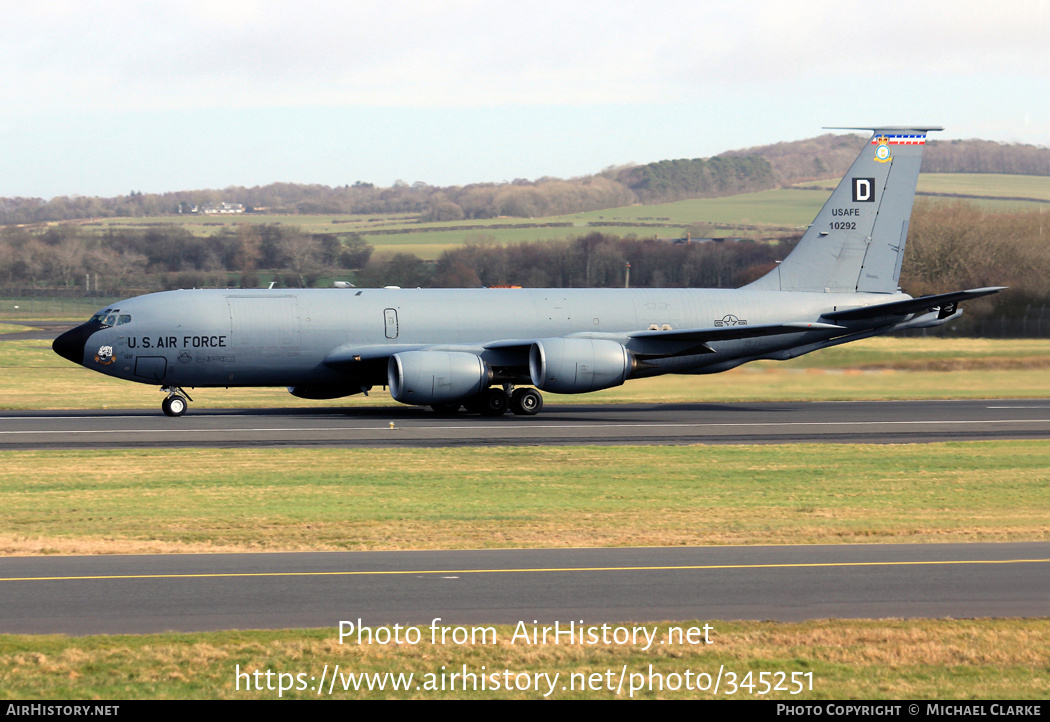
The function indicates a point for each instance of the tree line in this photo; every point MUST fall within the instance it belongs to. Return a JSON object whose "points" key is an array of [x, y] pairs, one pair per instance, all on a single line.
{"points": [[954, 245], [594, 260], [67, 259]]}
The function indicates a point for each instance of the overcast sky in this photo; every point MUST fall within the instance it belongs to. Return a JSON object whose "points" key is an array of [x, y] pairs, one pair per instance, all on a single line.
{"points": [[104, 97]]}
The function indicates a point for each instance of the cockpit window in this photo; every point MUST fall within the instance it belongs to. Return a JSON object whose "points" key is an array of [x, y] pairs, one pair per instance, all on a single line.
{"points": [[110, 317]]}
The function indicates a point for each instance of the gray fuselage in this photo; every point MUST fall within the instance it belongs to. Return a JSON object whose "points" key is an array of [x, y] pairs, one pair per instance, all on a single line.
{"points": [[205, 338]]}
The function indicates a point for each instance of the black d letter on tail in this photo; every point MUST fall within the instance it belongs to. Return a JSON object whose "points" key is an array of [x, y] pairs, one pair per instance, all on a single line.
{"points": [[863, 190]]}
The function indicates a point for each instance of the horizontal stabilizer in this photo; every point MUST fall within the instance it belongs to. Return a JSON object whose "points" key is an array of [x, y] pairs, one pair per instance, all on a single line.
{"points": [[922, 304]]}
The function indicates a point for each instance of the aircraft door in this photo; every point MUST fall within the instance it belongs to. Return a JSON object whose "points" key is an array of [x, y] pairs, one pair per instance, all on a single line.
{"points": [[151, 367], [390, 322]]}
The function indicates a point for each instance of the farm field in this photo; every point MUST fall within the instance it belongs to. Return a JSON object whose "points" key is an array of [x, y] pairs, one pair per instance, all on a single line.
{"points": [[751, 215], [978, 184]]}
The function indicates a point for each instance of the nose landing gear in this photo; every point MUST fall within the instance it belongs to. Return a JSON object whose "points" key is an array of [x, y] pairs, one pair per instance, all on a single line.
{"points": [[176, 402]]}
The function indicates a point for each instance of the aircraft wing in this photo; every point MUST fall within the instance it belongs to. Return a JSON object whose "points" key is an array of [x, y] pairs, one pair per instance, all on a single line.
{"points": [[649, 344], [923, 304], [351, 354], [688, 342], [515, 351], [354, 357], [726, 333]]}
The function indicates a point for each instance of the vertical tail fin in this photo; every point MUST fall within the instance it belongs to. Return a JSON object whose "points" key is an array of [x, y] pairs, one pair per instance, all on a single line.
{"points": [[856, 242]]}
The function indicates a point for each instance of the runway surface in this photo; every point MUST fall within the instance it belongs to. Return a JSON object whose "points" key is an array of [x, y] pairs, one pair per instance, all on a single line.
{"points": [[142, 594], [41, 331], [873, 422]]}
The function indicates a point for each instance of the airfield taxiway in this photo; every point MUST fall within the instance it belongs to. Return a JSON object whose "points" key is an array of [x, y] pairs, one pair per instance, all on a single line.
{"points": [[143, 594], [386, 426]]}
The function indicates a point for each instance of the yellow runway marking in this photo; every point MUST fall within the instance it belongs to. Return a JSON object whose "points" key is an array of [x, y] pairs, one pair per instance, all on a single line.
{"points": [[431, 572]]}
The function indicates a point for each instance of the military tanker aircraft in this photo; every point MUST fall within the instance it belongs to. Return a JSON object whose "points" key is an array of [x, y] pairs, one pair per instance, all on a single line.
{"points": [[487, 350]]}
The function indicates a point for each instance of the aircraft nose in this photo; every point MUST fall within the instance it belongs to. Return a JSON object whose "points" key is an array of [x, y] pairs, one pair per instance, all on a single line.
{"points": [[70, 345]]}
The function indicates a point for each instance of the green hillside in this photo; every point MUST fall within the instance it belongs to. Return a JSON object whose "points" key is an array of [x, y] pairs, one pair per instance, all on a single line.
{"points": [[749, 215], [752, 215]]}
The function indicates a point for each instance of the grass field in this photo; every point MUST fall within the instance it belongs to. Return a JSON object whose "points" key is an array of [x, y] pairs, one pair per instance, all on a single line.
{"points": [[844, 660], [775, 209], [134, 501], [980, 184]]}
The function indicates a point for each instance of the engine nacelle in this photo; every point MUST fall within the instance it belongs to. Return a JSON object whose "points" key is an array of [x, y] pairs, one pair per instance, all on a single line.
{"points": [[578, 365], [436, 377]]}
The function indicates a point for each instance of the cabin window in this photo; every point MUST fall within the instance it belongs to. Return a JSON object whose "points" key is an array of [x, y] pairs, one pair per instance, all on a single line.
{"points": [[126, 318]]}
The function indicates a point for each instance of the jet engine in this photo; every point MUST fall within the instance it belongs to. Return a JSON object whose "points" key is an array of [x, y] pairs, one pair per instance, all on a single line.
{"points": [[436, 377], [578, 365]]}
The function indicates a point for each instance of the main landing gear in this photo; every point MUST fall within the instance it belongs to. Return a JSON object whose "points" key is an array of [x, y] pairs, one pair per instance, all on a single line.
{"points": [[526, 402], [176, 402], [496, 401]]}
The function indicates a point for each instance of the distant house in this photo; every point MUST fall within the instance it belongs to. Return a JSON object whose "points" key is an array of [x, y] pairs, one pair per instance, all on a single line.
{"points": [[223, 208]]}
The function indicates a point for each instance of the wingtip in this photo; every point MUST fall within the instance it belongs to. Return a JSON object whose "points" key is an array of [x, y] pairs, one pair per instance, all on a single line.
{"points": [[815, 325]]}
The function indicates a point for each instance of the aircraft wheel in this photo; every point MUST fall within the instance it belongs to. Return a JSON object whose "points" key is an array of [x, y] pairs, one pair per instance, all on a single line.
{"points": [[445, 409], [174, 406], [526, 402], [494, 402]]}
